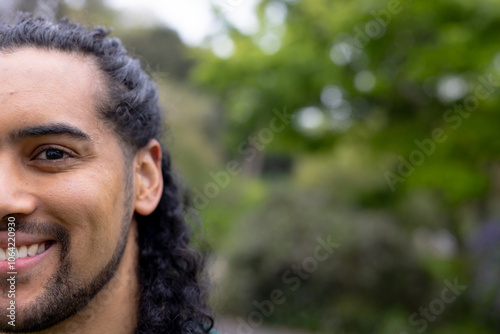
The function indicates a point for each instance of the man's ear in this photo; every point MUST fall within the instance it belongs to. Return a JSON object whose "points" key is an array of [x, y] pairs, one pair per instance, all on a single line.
{"points": [[148, 178]]}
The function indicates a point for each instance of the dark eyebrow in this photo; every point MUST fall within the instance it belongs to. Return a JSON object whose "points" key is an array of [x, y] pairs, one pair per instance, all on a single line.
{"points": [[47, 130]]}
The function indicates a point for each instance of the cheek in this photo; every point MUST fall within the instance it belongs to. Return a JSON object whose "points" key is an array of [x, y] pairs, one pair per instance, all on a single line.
{"points": [[89, 205]]}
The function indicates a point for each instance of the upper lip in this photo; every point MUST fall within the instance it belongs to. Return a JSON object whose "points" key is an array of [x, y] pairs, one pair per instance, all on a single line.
{"points": [[22, 239]]}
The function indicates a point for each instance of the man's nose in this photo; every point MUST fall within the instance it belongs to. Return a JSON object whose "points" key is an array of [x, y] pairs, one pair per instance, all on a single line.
{"points": [[15, 197]]}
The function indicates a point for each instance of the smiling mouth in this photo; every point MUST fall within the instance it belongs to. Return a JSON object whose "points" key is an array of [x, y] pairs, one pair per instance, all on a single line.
{"points": [[25, 251]]}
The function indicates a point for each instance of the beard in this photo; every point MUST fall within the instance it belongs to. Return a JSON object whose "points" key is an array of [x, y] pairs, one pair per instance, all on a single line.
{"points": [[64, 296]]}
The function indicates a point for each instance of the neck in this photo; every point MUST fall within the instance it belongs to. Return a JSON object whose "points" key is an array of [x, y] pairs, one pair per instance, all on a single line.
{"points": [[114, 308]]}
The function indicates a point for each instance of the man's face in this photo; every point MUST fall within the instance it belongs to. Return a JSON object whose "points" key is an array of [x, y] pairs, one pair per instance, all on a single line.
{"points": [[62, 178]]}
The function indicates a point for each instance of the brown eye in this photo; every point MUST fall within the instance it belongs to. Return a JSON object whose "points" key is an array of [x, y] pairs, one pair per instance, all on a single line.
{"points": [[52, 154]]}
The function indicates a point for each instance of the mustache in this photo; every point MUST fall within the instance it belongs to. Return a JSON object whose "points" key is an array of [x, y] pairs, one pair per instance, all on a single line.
{"points": [[59, 233]]}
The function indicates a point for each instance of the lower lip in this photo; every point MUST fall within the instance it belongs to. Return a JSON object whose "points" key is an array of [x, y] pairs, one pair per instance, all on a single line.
{"points": [[24, 264]]}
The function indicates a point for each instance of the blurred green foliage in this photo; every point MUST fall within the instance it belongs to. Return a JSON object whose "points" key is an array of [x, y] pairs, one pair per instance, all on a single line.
{"points": [[392, 151], [389, 151]]}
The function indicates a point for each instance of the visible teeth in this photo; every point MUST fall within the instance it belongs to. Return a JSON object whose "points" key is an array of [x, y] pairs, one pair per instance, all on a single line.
{"points": [[41, 248], [32, 250], [23, 252]]}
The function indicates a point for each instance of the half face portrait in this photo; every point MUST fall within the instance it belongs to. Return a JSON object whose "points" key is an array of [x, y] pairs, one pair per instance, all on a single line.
{"points": [[98, 225]]}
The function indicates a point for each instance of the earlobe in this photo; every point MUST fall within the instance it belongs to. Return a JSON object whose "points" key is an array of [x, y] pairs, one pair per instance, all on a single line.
{"points": [[149, 179]]}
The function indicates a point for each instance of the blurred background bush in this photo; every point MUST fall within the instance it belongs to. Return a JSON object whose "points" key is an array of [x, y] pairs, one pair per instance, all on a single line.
{"points": [[370, 126]]}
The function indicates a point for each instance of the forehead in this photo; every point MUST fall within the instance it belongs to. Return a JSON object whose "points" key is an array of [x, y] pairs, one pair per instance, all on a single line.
{"points": [[45, 85]]}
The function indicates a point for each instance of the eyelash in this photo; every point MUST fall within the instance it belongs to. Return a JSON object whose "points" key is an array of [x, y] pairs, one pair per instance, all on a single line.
{"points": [[42, 149]]}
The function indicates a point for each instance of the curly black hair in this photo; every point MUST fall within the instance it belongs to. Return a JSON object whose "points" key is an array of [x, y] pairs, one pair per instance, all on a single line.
{"points": [[172, 293]]}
